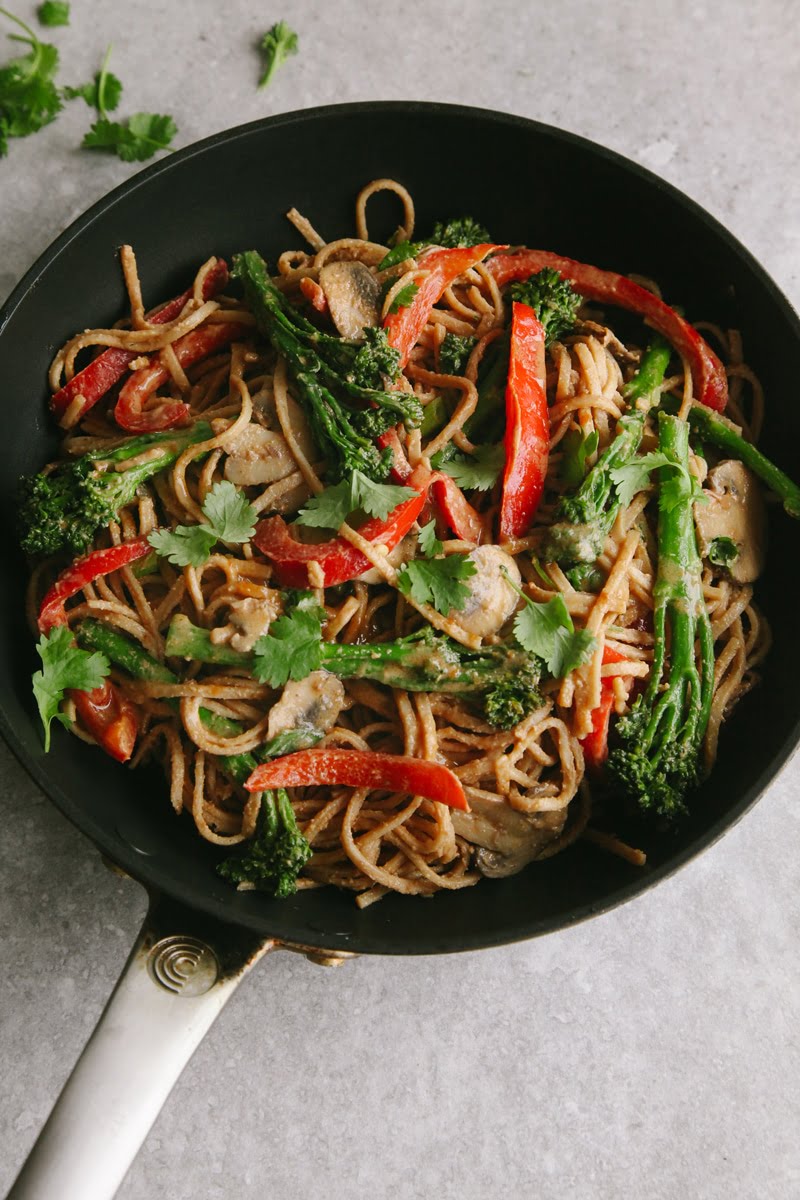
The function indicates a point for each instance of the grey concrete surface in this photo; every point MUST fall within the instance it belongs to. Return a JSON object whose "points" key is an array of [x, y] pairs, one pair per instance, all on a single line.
{"points": [[653, 1052]]}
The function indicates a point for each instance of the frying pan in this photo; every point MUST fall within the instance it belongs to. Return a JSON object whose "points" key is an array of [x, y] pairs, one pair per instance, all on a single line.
{"points": [[527, 183]]}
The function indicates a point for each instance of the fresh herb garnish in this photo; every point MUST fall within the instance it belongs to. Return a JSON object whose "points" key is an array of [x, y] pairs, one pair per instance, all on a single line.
{"points": [[52, 13], [133, 140], [64, 666], [29, 99], [400, 254], [103, 93], [229, 518], [277, 44], [479, 471], [429, 543], [437, 581], [547, 631], [404, 297], [291, 650], [333, 506]]}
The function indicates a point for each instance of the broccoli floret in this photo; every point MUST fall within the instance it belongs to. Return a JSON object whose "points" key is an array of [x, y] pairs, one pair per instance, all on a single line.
{"points": [[454, 353], [344, 413], [513, 698], [62, 509], [553, 299], [277, 852], [376, 361], [658, 759], [460, 231]]}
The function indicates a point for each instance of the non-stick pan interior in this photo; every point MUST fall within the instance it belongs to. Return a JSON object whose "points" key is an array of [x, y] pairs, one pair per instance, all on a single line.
{"points": [[527, 183]]}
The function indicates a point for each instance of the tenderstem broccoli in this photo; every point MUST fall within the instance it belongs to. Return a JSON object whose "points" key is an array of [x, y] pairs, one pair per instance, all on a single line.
{"points": [[62, 509], [584, 518], [331, 375], [711, 427], [276, 854], [658, 759], [553, 299], [504, 679]]}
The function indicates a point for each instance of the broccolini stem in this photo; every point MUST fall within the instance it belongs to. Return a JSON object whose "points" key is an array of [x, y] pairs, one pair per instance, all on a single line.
{"points": [[719, 432]]}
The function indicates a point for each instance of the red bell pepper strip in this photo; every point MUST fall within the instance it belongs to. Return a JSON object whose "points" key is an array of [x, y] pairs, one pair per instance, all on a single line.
{"points": [[85, 570], [105, 712], [314, 294], [456, 508], [100, 375], [404, 327], [401, 468], [595, 744], [607, 287], [130, 412], [361, 769], [110, 717], [340, 561], [527, 437]]}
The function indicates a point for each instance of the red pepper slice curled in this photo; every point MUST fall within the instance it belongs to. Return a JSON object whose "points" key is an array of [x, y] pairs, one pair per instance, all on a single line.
{"points": [[85, 570], [99, 376], [607, 287], [404, 327], [527, 437], [361, 769]]}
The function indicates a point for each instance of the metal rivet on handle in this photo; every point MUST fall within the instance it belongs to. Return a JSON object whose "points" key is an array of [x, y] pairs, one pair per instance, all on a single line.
{"points": [[183, 965]]}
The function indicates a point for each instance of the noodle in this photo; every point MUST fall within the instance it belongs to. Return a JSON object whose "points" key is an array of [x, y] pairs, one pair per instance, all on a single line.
{"points": [[366, 840]]}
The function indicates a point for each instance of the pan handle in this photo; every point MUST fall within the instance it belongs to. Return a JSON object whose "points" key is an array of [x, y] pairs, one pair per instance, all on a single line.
{"points": [[181, 972]]}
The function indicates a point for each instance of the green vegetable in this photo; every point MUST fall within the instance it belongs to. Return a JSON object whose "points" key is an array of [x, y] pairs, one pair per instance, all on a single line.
{"points": [[52, 13], [437, 581], [103, 93], [454, 353], [404, 297], [552, 298], [584, 518], [63, 510], [634, 476], [487, 422], [64, 666], [547, 631], [277, 44], [400, 253], [376, 362], [504, 678], [713, 428], [723, 552], [345, 417], [229, 518], [134, 140], [429, 543], [331, 508], [479, 471], [586, 577], [435, 415], [575, 450], [659, 756], [29, 99], [461, 231], [277, 852]]}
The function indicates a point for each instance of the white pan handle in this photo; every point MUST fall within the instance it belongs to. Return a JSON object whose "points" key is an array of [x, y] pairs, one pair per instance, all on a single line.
{"points": [[180, 974]]}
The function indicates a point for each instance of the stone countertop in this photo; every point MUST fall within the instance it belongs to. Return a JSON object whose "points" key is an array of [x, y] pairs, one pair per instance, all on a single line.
{"points": [[651, 1052]]}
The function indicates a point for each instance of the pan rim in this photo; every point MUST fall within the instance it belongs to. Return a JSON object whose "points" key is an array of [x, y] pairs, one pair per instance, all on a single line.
{"points": [[205, 902]]}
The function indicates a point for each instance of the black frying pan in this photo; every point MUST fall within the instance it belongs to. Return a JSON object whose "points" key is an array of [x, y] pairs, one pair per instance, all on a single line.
{"points": [[528, 183]]}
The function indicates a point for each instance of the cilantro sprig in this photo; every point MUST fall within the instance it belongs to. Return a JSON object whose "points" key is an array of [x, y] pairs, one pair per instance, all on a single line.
{"points": [[404, 297], [64, 666], [437, 581], [479, 471], [331, 508], [135, 139], [547, 631], [429, 543], [635, 477], [103, 93], [277, 44], [52, 13], [29, 98], [229, 517]]}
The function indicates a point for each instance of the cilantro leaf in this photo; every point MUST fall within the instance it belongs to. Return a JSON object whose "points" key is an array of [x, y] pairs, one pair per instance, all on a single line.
{"points": [[53, 12], [479, 471], [229, 518], [546, 630], [29, 98], [103, 93], [134, 140], [278, 43], [332, 507], [399, 254], [635, 476], [576, 449], [437, 581], [404, 297], [291, 650], [63, 666], [429, 544], [184, 546]]}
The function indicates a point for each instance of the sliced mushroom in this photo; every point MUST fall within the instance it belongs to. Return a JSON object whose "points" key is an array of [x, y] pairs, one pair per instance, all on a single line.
{"points": [[250, 619], [508, 839], [491, 599], [257, 456], [353, 293], [311, 703], [735, 511]]}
